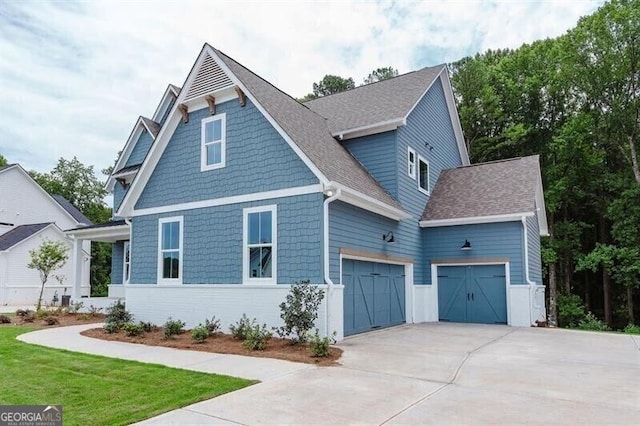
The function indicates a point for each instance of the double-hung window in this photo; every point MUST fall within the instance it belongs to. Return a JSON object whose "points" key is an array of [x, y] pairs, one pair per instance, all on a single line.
{"points": [[423, 175], [411, 163], [126, 263], [170, 250], [213, 136], [260, 231]]}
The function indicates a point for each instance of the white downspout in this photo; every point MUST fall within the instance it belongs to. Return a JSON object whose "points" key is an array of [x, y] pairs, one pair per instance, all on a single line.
{"points": [[532, 285], [327, 275]]}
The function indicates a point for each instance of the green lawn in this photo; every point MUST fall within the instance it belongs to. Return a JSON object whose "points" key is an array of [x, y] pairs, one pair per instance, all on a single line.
{"points": [[96, 390]]}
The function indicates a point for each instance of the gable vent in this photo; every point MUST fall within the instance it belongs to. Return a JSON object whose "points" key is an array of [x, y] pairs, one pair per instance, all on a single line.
{"points": [[209, 79]]}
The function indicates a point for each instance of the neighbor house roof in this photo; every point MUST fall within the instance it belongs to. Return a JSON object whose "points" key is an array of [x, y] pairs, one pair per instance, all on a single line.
{"points": [[309, 131], [71, 209], [19, 234], [6, 166], [375, 103], [99, 225], [488, 189]]}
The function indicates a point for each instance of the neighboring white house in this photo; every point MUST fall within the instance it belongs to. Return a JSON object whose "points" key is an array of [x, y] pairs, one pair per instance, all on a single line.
{"points": [[28, 216]]}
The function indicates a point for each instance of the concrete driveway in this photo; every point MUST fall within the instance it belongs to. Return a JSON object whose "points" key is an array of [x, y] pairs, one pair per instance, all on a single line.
{"points": [[443, 373]]}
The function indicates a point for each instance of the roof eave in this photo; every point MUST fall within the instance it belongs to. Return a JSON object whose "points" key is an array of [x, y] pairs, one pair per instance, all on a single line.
{"points": [[508, 217], [366, 202], [370, 129], [111, 233]]}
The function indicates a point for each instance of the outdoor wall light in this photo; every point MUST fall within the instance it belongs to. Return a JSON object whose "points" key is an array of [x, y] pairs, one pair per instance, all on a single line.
{"points": [[466, 245], [388, 238]]}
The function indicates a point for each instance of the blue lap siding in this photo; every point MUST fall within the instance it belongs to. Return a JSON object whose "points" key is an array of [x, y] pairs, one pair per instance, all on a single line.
{"points": [[375, 153], [117, 252]]}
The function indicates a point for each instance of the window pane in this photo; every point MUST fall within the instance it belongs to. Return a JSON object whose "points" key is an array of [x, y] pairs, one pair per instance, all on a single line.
{"points": [[254, 228], [265, 227], [170, 235], [217, 130], [170, 264], [424, 175], [214, 153], [260, 262]]}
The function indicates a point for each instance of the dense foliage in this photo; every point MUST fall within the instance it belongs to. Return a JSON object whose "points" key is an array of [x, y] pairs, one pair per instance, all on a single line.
{"points": [[575, 101]]}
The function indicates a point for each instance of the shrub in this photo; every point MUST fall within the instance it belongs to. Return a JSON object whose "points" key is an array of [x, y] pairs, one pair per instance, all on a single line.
{"points": [[592, 323], [173, 327], [213, 326], [112, 327], [570, 310], [93, 310], [632, 329], [117, 317], [257, 337], [30, 316], [320, 346], [23, 312], [133, 330], [51, 320], [200, 333], [75, 307], [240, 330], [43, 313], [147, 326], [300, 311], [61, 311], [5, 319]]}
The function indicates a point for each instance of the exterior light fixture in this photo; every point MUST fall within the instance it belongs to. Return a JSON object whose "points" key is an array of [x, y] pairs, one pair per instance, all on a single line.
{"points": [[388, 238], [329, 193], [466, 245]]}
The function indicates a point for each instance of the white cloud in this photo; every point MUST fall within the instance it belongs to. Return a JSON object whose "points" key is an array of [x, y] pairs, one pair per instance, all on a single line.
{"points": [[75, 76]]}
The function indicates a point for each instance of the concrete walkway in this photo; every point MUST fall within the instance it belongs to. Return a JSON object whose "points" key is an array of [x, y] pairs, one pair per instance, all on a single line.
{"points": [[434, 373]]}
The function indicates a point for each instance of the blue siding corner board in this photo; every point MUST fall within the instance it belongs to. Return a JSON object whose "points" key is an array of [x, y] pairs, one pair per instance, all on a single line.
{"points": [[257, 159], [488, 240]]}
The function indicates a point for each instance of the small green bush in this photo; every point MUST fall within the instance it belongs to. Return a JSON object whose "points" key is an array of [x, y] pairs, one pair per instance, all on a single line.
{"points": [[5, 319], [173, 327], [30, 316], [213, 326], [93, 310], [117, 316], [22, 312], [257, 337], [51, 320], [200, 333], [133, 329], [320, 346], [147, 326], [112, 327], [299, 311], [632, 329], [43, 313], [570, 310], [592, 323], [240, 330], [75, 307]]}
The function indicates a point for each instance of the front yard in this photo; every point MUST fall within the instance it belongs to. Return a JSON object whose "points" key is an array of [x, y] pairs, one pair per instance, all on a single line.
{"points": [[96, 390]]}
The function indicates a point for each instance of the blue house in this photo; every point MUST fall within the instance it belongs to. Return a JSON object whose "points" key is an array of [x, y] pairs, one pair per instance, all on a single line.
{"points": [[234, 190]]}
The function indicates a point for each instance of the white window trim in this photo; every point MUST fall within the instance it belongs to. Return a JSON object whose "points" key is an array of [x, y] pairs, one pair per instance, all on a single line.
{"points": [[125, 278], [246, 279], [409, 164], [223, 142], [161, 221], [424, 160]]}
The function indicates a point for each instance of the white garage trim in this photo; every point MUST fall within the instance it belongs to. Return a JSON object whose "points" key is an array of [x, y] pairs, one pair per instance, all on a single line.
{"points": [[471, 262]]}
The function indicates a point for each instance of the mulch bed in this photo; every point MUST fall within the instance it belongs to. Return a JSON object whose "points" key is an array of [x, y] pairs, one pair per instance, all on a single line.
{"points": [[223, 344], [62, 320]]}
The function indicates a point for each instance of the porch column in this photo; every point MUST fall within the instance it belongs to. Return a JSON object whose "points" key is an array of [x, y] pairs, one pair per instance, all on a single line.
{"points": [[77, 259]]}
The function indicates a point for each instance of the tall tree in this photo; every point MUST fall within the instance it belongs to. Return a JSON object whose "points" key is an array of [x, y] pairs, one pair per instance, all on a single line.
{"points": [[329, 85], [3, 161], [379, 74]]}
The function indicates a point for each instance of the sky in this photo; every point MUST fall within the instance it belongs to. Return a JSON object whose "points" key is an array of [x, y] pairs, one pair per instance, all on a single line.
{"points": [[75, 76]]}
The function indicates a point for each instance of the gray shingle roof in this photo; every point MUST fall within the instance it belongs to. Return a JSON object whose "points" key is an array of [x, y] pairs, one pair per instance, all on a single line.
{"points": [[71, 209], [153, 127], [310, 133], [131, 168], [374, 103], [19, 234], [495, 188]]}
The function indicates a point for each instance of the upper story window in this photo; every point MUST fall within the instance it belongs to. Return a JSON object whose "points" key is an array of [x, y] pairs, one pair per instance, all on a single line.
{"points": [[170, 250], [260, 230], [423, 175], [213, 135], [411, 163]]}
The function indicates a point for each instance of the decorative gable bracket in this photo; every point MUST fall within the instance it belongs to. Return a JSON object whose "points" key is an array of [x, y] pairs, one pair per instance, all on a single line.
{"points": [[184, 110], [241, 96], [211, 101]]}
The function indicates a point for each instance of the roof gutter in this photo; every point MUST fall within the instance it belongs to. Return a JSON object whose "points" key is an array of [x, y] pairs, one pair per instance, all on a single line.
{"points": [[325, 255], [370, 129], [511, 217], [366, 202]]}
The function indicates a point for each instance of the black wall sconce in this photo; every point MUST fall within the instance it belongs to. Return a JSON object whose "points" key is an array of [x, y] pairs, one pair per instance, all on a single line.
{"points": [[428, 145], [466, 245], [388, 238]]}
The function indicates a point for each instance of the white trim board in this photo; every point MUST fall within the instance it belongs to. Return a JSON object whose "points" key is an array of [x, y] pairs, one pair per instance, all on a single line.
{"points": [[511, 217], [234, 199]]}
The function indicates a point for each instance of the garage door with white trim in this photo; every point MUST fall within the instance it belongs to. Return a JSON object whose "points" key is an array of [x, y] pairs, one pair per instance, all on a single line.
{"points": [[374, 295], [472, 293]]}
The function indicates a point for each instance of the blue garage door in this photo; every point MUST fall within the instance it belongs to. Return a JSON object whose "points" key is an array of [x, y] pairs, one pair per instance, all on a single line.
{"points": [[374, 295], [472, 293]]}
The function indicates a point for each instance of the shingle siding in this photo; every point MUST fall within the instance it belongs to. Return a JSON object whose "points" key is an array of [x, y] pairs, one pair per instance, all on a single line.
{"points": [[535, 259], [257, 159], [375, 153], [488, 240], [117, 253], [213, 242], [140, 149], [163, 119], [429, 122], [118, 195]]}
